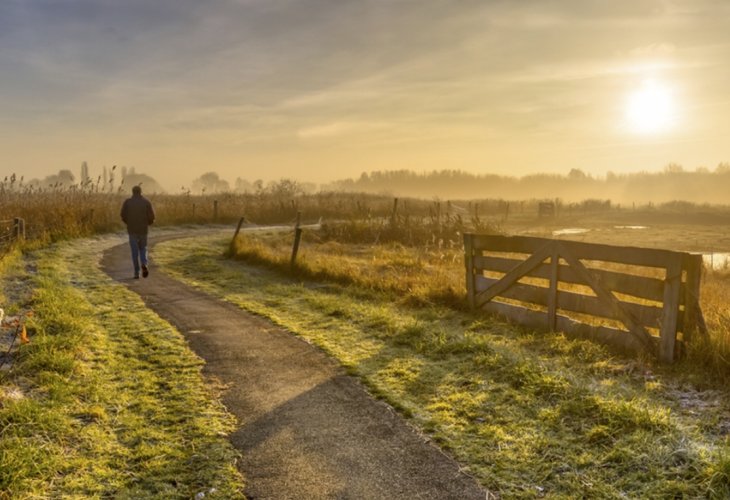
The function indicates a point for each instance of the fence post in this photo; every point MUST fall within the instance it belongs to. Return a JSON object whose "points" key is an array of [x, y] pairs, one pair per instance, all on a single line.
{"points": [[469, 264], [394, 213], [215, 210], [297, 237], [553, 290], [19, 229], [672, 289], [235, 235], [693, 320]]}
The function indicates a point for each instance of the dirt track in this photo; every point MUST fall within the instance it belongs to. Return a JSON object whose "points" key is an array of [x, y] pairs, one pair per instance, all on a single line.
{"points": [[306, 429]]}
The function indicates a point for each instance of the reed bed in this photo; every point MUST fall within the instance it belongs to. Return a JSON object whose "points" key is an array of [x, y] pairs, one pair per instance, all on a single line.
{"points": [[60, 212]]}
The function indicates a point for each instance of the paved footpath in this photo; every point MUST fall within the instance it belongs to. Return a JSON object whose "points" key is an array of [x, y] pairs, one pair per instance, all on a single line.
{"points": [[306, 430]]}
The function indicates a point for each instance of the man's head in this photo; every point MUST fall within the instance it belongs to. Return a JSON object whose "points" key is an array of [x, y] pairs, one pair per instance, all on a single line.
{"points": [[137, 190]]}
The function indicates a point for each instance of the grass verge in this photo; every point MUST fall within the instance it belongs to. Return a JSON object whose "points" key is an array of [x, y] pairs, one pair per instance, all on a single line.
{"points": [[530, 415], [106, 400]]}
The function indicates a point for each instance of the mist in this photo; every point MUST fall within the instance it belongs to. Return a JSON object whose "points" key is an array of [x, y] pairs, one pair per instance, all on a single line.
{"points": [[673, 183]]}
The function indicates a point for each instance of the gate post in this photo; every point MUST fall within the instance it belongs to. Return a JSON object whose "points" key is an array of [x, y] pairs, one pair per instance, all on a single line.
{"points": [[553, 290], [692, 312], [469, 264], [672, 289]]}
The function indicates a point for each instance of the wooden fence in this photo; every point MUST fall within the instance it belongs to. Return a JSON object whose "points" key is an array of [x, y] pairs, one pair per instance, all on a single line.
{"points": [[632, 297]]}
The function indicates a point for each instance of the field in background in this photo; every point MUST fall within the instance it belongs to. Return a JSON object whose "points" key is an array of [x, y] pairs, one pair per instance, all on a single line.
{"points": [[432, 229], [62, 212]]}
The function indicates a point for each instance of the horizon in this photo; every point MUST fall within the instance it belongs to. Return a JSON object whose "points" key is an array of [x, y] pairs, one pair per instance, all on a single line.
{"points": [[320, 91], [674, 184]]}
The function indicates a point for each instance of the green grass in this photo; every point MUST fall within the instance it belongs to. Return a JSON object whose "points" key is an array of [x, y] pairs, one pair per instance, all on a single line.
{"points": [[530, 415], [106, 400]]}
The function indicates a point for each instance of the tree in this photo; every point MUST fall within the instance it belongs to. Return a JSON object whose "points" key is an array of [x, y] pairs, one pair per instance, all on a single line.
{"points": [[84, 172], [576, 174], [149, 185], [673, 168], [62, 178], [210, 182], [285, 188]]}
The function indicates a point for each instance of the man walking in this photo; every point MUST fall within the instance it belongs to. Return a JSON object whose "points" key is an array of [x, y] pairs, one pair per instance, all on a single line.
{"points": [[138, 214]]}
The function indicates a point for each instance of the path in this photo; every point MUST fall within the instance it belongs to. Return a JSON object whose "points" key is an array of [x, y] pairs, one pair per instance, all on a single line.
{"points": [[306, 429]]}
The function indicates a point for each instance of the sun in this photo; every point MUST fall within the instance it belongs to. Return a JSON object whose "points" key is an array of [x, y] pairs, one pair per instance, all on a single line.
{"points": [[650, 109]]}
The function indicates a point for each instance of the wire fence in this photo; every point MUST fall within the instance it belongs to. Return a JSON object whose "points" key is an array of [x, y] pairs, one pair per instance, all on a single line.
{"points": [[11, 230]]}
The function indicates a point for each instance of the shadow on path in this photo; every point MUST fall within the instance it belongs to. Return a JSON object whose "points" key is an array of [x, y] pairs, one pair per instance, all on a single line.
{"points": [[306, 430]]}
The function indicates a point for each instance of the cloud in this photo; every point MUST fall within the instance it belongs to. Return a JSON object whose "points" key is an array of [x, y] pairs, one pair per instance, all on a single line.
{"points": [[654, 50], [298, 75], [336, 129]]}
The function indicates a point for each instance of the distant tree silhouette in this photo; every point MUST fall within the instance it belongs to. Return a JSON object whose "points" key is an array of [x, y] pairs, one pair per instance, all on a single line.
{"points": [[84, 172], [149, 184], [674, 182], [63, 178], [210, 182], [284, 188]]}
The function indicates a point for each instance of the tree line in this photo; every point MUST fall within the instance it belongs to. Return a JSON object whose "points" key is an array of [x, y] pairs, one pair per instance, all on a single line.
{"points": [[672, 183]]}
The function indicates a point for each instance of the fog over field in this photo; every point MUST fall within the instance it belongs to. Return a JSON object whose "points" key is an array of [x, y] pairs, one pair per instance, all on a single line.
{"points": [[674, 183]]}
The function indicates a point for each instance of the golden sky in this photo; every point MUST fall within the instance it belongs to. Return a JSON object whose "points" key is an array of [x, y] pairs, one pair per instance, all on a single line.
{"points": [[319, 90]]}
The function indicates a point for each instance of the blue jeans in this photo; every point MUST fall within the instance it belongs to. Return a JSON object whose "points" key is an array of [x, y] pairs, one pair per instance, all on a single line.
{"points": [[138, 244]]}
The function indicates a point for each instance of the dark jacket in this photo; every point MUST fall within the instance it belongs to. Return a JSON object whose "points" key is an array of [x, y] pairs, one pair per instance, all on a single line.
{"points": [[137, 214]]}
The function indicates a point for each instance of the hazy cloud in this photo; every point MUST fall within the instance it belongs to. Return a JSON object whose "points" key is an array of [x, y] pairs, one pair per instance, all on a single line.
{"points": [[480, 74]]}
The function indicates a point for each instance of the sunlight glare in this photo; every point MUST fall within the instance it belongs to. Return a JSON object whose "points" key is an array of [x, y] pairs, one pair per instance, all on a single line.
{"points": [[650, 108]]}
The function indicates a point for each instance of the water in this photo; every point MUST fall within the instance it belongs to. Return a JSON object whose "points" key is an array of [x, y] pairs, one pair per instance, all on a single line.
{"points": [[570, 230], [716, 260]]}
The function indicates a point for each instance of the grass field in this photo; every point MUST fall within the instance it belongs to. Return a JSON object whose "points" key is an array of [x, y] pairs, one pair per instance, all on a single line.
{"points": [[86, 408], [106, 400], [531, 415]]}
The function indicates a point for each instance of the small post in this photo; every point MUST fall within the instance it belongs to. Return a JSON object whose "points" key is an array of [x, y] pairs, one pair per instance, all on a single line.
{"points": [[297, 238], [395, 211], [19, 229], [193, 217], [215, 210], [231, 247]]}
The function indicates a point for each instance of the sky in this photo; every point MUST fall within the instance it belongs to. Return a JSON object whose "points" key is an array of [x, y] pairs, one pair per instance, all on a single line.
{"points": [[319, 90]]}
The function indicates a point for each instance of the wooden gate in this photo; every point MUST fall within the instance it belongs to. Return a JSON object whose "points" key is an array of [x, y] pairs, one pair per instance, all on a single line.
{"points": [[638, 298]]}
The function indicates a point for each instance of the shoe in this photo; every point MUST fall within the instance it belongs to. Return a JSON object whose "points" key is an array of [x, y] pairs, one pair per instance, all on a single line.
{"points": [[145, 271], [136, 276]]}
